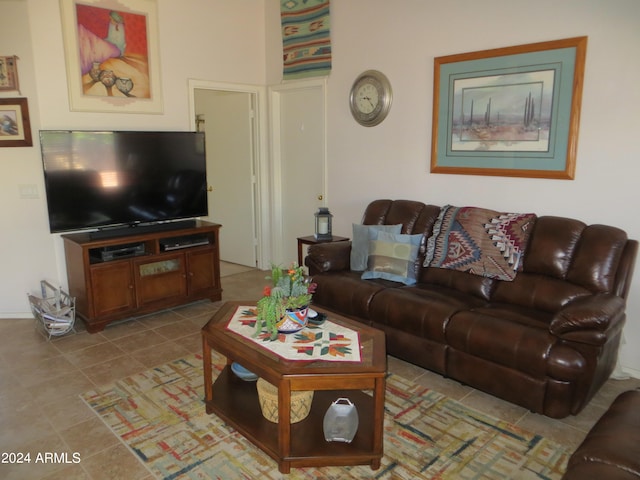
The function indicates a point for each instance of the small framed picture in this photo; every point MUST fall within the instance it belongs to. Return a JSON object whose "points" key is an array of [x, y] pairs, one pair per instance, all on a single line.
{"points": [[15, 129], [9, 73]]}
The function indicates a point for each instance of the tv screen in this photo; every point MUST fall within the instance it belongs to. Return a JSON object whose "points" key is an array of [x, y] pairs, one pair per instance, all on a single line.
{"points": [[102, 179]]}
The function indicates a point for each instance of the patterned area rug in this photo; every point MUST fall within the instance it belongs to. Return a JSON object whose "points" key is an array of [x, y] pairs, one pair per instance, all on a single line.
{"points": [[160, 416]]}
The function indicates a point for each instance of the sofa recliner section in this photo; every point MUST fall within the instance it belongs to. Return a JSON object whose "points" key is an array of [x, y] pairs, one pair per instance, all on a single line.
{"points": [[611, 449]]}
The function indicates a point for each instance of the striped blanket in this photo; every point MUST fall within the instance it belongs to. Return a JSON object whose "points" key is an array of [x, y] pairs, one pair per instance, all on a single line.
{"points": [[306, 43]]}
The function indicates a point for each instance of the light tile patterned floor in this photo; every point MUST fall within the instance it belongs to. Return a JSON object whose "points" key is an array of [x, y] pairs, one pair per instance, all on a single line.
{"points": [[40, 380]]}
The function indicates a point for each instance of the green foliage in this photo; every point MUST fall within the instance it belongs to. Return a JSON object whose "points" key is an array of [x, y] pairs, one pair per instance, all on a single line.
{"points": [[290, 290]]}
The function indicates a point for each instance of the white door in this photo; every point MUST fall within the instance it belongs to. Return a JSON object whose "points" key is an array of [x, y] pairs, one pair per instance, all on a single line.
{"points": [[299, 153], [227, 118]]}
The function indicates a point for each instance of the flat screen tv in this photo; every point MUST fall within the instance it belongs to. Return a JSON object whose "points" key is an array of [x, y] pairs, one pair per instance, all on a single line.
{"points": [[98, 179]]}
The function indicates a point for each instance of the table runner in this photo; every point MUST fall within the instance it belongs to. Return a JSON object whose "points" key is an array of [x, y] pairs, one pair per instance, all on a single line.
{"points": [[329, 341]]}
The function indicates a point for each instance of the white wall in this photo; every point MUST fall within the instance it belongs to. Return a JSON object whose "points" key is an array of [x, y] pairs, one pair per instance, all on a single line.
{"points": [[391, 160], [26, 248]]}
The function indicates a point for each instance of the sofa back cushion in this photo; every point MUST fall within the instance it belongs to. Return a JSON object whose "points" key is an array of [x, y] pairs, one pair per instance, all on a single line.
{"points": [[565, 259], [585, 255], [415, 217]]}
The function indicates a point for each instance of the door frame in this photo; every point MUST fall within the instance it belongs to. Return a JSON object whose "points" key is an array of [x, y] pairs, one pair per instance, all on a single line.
{"points": [[275, 94], [260, 141]]}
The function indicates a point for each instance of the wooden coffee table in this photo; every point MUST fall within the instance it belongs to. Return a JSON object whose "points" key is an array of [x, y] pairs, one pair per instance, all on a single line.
{"points": [[301, 444]]}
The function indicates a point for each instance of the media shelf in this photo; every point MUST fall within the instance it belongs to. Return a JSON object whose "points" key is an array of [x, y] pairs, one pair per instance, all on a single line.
{"points": [[120, 277]]}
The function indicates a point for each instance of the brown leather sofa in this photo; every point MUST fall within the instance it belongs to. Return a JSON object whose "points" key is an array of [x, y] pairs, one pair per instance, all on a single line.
{"points": [[547, 340], [611, 449]]}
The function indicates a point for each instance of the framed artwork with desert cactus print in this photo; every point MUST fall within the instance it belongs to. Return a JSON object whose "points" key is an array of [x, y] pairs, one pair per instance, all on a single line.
{"points": [[512, 111], [112, 57]]}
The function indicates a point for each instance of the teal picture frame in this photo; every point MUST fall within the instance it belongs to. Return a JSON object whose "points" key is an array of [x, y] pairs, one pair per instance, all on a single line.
{"points": [[512, 111]]}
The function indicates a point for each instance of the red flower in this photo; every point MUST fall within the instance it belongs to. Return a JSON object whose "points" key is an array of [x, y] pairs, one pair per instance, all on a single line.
{"points": [[266, 292], [312, 288]]}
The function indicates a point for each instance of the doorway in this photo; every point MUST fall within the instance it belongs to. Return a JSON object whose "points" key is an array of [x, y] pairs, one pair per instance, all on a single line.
{"points": [[228, 116], [298, 136]]}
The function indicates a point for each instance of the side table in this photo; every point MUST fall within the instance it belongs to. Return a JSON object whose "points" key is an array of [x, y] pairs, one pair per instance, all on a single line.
{"points": [[312, 240]]}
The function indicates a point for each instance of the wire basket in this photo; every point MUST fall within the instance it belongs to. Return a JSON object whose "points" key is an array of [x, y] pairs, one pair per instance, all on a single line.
{"points": [[55, 312]]}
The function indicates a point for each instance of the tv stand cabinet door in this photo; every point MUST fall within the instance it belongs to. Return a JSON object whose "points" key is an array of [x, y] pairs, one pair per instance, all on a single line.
{"points": [[112, 289], [202, 274], [161, 280]]}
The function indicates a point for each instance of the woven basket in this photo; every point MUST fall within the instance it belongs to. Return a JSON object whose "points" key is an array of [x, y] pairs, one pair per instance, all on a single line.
{"points": [[268, 396]]}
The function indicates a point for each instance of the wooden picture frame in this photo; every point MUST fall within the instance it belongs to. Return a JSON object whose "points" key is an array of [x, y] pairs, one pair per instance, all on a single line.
{"points": [[9, 74], [15, 129], [512, 111], [112, 55]]}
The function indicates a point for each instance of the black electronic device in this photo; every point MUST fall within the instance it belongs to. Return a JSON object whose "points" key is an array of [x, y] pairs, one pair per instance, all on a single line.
{"points": [[187, 241], [98, 179], [115, 252]]}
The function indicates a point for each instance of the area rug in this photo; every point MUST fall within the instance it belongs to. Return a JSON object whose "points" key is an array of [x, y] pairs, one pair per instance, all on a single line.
{"points": [[159, 414]]}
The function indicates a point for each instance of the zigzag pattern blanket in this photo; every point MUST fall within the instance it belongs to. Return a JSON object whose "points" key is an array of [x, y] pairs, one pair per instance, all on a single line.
{"points": [[479, 241]]}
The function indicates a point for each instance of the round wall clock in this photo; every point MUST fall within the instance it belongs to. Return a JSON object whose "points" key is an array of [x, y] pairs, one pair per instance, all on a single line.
{"points": [[370, 98]]}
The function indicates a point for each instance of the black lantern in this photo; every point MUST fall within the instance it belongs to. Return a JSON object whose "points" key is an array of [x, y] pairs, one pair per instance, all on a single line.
{"points": [[323, 224]]}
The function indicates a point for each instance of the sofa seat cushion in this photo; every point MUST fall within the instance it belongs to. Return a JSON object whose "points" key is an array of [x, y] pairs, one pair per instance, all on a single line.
{"points": [[514, 337], [347, 293], [420, 311]]}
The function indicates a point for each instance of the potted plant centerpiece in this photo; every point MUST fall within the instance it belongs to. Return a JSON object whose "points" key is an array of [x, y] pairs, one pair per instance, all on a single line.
{"points": [[284, 305]]}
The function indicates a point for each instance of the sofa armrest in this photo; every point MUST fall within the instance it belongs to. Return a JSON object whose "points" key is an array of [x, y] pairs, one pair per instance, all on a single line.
{"points": [[589, 319], [328, 257]]}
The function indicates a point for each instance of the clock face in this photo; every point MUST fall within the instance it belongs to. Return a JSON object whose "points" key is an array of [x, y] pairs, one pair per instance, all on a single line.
{"points": [[367, 96], [370, 98]]}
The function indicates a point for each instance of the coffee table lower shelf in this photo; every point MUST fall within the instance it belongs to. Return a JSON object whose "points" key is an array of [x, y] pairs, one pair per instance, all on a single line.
{"points": [[236, 402]]}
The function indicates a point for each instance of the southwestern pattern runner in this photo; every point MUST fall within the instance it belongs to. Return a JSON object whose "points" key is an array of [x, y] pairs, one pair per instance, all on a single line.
{"points": [[328, 342], [159, 414], [306, 42]]}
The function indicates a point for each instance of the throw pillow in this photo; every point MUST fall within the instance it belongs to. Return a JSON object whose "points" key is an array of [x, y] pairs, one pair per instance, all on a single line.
{"points": [[393, 256], [479, 241], [362, 234]]}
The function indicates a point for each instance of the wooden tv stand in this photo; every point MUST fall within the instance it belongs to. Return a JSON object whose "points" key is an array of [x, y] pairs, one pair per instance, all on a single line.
{"points": [[126, 276]]}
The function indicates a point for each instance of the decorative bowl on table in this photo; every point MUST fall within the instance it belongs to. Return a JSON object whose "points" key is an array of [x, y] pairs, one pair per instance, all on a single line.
{"points": [[242, 373], [315, 319]]}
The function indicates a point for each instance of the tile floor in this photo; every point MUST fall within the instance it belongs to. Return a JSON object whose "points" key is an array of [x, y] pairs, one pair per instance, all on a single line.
{"points": [[40, 380]]}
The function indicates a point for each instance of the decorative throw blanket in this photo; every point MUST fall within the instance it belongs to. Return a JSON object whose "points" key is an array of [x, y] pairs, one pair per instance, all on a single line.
{"points": [[305, 38], [479, 241]]}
